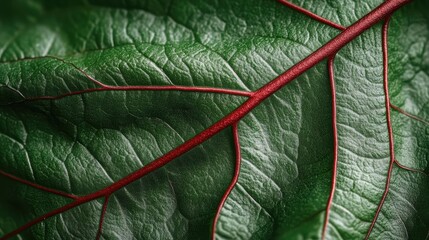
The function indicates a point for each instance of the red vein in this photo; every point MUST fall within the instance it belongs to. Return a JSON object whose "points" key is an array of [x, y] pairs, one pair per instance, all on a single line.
{"points": [[77, 202], [37, 186], [260, 95], [234, 178], [105, 87], [312, 15], [389, 125], [335, 134], [398, 109], [103, 213], [409, 169]]}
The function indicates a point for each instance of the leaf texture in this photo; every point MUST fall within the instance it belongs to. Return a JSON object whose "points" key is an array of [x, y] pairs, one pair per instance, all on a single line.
{"points": [[85, 102]]}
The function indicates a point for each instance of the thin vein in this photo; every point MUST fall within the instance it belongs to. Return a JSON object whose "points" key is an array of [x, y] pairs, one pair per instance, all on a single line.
{"points": [[335, 136], [312, 15], [398, 109], [37, 186], [409, 168], [105, 87], [389, 126], [102, 215], [234, 178]]}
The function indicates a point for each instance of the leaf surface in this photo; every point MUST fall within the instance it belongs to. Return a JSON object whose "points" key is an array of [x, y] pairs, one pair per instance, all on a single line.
{"points": [[84, 142]]}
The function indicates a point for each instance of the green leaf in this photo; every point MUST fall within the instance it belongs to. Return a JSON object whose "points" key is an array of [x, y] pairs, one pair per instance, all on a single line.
{"points": [[59, 131]]}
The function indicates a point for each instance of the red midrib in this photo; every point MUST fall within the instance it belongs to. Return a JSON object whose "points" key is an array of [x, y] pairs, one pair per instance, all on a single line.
{"points": [[254, 100], [260, 95]]}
